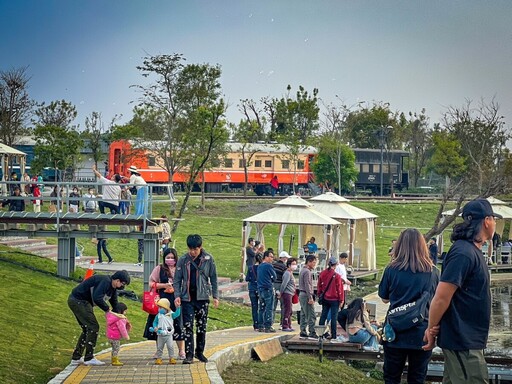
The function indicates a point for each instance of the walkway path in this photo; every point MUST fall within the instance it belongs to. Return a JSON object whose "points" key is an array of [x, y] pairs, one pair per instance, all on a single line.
{"points": [[139, 364]]}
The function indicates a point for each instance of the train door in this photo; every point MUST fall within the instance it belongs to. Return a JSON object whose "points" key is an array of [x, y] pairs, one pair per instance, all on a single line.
{"points": [[118, 165]]}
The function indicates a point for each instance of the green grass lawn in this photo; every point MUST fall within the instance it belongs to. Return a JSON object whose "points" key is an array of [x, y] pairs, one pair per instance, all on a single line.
{"points": [[39, 331]]}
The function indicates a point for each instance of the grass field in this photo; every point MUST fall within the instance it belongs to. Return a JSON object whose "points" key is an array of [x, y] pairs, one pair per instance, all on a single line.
{"points": [[39, 331]]}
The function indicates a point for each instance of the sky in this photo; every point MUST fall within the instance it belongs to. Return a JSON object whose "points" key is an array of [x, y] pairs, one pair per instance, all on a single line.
{"points": [[411, 54]]}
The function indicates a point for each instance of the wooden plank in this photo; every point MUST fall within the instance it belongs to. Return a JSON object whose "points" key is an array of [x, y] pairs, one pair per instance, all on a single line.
{"points": [[267, 350]]}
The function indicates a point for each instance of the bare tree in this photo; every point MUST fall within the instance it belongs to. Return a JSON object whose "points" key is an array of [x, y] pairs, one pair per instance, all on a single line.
{"points": [[15, 104]]}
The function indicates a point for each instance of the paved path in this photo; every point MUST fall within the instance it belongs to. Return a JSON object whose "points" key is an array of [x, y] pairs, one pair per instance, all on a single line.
{"points": [[139, 364]]}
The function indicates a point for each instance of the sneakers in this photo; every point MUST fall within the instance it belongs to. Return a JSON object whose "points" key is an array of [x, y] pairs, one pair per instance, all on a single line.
{"points": [[99, 262], [182, 355], [341, 339], [77, 362], [138, 264], [188, 360], [111, 261], [288, 329], [172, 361], [303, 335], [313, 336], [94, 361], [158, 362], [202, 358], [367, 348], [270, 330]]}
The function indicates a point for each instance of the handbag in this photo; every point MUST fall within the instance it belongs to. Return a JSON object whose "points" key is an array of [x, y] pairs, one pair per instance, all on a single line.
{"points": [[149, 300], [411, 314], [295, 298], [321, 296]]}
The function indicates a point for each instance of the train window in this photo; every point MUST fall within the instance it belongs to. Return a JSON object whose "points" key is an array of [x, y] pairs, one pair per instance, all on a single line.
{"points": [[268, 163], [257, 163], [228, 163], [365, 168], [285, 164], [376, 168], [385, 168], [394, 168], [300, 164], [151, 161], [241, 163]]}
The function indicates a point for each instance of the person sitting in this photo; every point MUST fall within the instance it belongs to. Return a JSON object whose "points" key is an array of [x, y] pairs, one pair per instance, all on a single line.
{"points": [[359, 328], [311, 246]]}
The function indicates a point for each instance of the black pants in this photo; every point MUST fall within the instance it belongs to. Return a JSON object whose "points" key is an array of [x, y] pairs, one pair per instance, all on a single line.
{"points": [[85, 316], [114, 209], [197, 309], [102, 244], [394, 363]]}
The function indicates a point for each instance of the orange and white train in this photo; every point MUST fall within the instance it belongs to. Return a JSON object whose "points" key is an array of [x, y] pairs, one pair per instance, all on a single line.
{"points": [[269, 160]]}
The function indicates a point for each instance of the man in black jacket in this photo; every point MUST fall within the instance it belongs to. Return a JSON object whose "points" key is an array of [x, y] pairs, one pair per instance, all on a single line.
{"points": [[81, 301], [16, 202]]}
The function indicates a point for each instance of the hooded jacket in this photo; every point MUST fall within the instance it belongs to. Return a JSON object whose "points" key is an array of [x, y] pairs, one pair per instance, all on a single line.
{"points": [[206, 277], [117, 326]]}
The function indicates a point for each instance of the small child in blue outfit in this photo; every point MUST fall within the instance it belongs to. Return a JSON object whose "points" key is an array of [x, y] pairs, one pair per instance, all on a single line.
{"points": [[164, 328]]}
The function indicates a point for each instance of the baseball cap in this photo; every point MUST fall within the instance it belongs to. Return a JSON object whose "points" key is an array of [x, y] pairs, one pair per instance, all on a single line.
{"points": [[333, 260], [284, 254], [478, 209]]}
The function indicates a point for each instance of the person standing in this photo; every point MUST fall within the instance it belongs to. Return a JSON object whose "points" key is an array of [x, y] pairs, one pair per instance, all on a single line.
{"points": [[460, 311], [410, 273], [306, 300], [287, 290], [89, 293], [140, 186], [279, 267], [342, 271], [90, 203], [15, 202], [74, 204], [274, 186], [252, 286], [331, 286], [265, 280], [162, 279], [250, 253], [111, 192], [102, 245], [432, 249], [36, 194], [195, 274]]}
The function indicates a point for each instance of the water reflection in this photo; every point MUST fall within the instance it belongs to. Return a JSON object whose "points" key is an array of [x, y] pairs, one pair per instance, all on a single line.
{"points": [[500, 334]]}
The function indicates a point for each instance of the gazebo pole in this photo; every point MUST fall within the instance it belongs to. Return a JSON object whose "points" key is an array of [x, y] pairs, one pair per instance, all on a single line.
{"points": [[243, 254], [328, 245], [351, 240]]}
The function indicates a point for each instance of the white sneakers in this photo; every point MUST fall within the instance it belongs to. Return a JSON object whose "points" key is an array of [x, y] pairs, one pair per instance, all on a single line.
{"points": [[77, 362], [94, 361]]}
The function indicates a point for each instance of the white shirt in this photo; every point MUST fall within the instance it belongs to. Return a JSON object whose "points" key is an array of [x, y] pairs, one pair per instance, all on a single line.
{"points": [[137, 180], [342, 271], [111, 191]]}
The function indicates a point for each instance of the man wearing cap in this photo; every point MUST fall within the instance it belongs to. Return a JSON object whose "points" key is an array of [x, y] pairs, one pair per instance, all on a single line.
{"points": [[93, 291], [279, 267], [460, 311]]}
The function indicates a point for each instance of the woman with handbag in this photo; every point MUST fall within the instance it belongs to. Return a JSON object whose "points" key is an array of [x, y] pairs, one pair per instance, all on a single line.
{"points": [[287, 291], [330, 290], [406, 278], [162, 278]]}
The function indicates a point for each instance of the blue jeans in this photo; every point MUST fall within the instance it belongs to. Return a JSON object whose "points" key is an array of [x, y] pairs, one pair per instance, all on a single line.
{"points": [[364, 337], [330, 310], [253, 295], [266, 308]]}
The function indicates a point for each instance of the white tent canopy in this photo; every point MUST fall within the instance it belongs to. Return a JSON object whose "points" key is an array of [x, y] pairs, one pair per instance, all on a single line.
{"points": [[356, 233], [7, 153], [291, 210]]}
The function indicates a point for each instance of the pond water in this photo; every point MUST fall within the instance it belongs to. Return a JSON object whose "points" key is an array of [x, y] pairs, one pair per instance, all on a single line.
{"points": [[500, 333]]}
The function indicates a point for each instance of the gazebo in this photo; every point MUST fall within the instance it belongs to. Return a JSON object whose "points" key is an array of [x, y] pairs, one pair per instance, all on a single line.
{"points": [[355, 234], [292, 210], [7, 154]]}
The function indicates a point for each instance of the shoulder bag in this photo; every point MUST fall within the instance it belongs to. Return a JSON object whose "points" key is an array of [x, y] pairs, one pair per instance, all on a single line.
{"points": [[321, 296]]}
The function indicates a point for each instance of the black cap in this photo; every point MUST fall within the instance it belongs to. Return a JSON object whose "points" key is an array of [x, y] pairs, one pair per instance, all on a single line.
{"points": [[122, 276], [478, 209]]}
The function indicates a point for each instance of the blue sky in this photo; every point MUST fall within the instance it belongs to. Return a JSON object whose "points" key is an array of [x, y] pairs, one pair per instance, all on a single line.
{"points": [[412, 54]]}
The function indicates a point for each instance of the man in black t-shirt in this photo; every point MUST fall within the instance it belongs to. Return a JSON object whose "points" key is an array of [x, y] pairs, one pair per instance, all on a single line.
{"points": [[460, 311]]}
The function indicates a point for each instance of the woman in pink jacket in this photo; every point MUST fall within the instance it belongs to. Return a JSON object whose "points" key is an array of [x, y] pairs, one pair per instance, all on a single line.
{"points": [[118, 327]]}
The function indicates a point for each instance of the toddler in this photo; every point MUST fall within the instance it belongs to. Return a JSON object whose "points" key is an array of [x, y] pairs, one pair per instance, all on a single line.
{"points": [[164, 328], [118, 327]]}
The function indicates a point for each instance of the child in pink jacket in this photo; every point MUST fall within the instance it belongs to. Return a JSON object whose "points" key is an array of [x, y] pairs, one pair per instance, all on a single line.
{"points": [[118, 327]]}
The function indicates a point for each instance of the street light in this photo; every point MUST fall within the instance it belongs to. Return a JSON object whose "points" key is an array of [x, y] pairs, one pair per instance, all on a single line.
{"points": [[382, 140]]}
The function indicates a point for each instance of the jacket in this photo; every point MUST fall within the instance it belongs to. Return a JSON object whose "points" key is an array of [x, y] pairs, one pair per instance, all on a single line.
{"points": [[117, 326], [95, 290], [206, 277], [335, 291]]}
